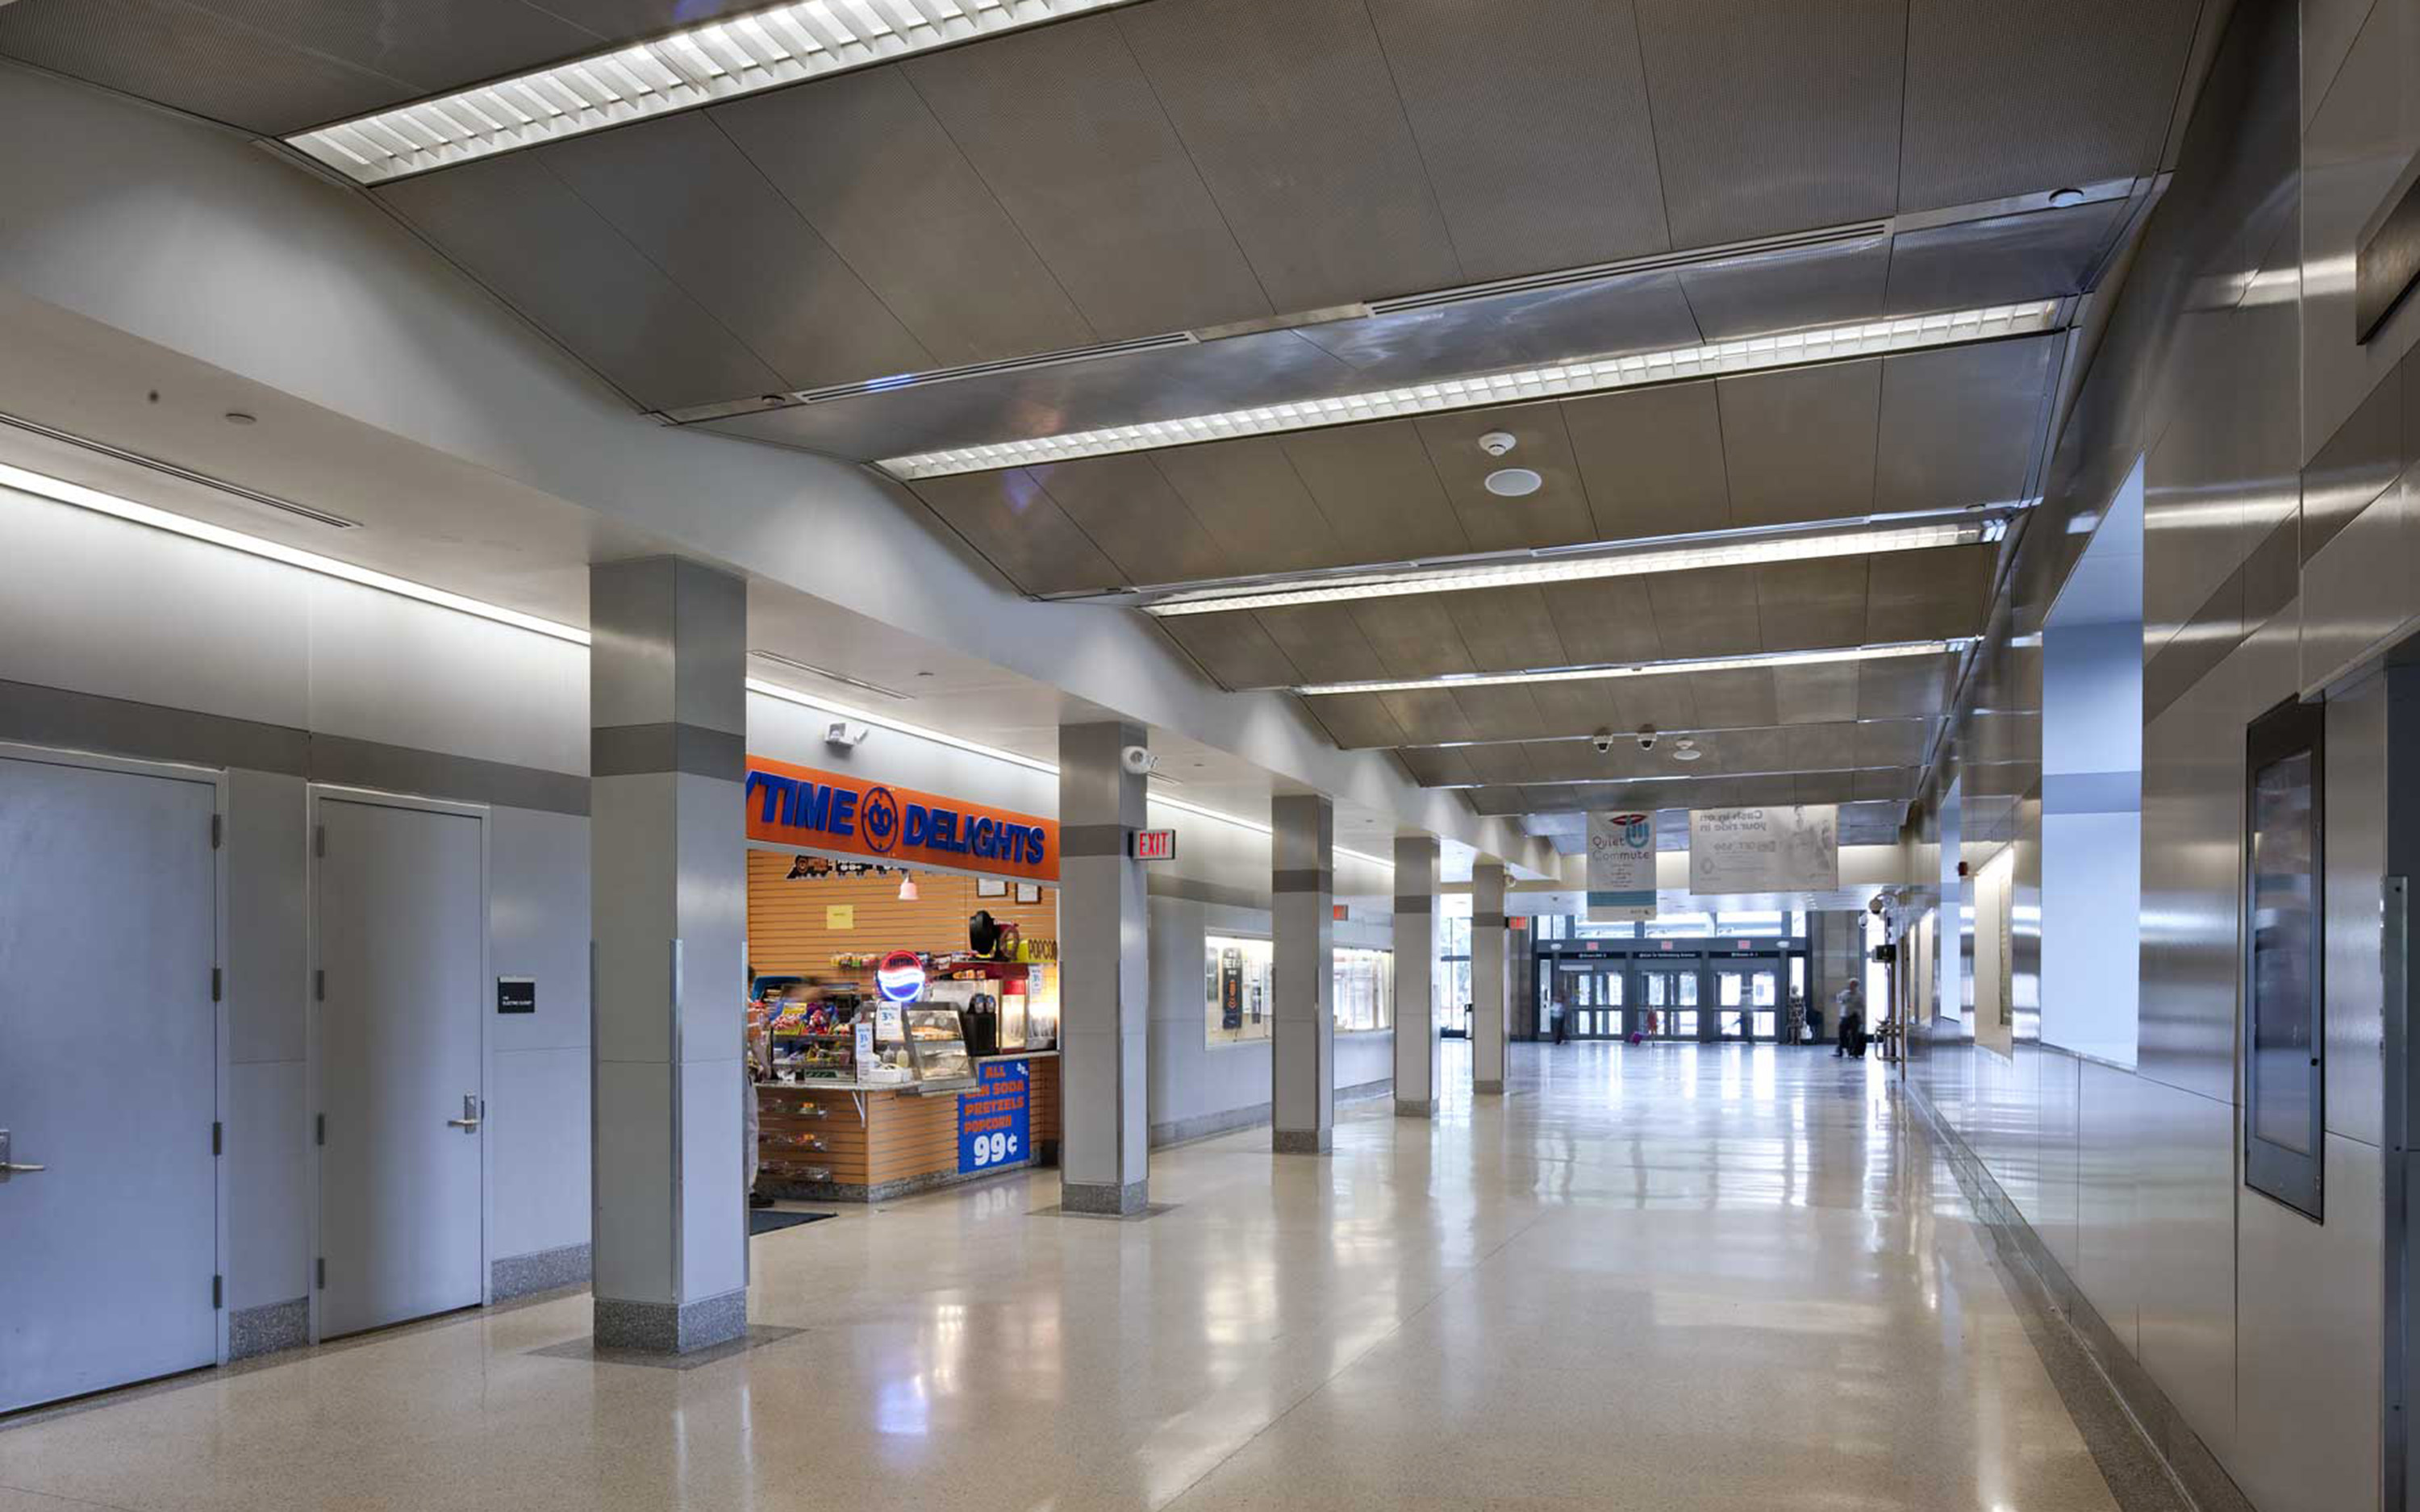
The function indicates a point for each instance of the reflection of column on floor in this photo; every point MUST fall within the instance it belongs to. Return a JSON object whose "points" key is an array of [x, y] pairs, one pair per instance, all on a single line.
{"points": [[668, 876], [1302, 883], [1104, 971], [1416, 1039], [1487, 997]]}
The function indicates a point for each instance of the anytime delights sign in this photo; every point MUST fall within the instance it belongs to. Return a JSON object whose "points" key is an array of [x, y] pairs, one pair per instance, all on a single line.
{"points": [[791, 805]]}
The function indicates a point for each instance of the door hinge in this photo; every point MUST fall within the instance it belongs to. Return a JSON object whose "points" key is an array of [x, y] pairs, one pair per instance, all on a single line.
{"points": [[319, 1129], [319, 840], [218, 1137], [319, 985], [218, 831], [218, 1292], [322, 1275], [217, 982]]}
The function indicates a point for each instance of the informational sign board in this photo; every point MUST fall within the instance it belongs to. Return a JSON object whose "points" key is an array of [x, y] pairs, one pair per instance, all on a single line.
{"points": [[1778, 849], [840, 916], [1621, 867], [515, 994], [1231, 989], [1155, 845], [995, 1119], [788, 805]]}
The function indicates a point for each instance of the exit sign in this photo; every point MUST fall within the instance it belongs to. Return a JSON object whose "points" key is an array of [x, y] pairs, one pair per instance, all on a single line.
{"points": [[1155, 845]]}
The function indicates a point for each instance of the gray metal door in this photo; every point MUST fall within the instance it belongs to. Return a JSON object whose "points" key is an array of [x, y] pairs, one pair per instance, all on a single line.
{"points": [[400, 912], [108, 1078]]}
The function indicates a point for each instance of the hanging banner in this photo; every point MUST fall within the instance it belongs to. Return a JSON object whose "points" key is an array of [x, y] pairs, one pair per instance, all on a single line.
{"points": [[1621, 867], [1789, 849]]}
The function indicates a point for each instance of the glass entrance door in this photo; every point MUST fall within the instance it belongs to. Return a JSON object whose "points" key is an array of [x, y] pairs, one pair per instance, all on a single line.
{"points": [[1664, 999], [1593, 1003], [1747, 1000]]}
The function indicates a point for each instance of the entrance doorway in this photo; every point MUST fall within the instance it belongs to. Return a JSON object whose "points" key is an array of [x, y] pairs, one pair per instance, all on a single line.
{"points": [[400, 906], [1747, 998], [1593, 999], [108, 1077], [1666, 991]]}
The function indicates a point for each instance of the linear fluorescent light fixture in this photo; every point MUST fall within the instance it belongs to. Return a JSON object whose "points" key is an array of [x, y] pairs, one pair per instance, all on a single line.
{"points": [[1643, 669], [721, 59], [1585, 374], [60, 491], [778, 659], [1565, 569]]}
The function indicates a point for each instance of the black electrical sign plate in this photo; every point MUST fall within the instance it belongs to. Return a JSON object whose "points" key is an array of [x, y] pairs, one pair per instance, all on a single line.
{"points": [[515, 994]]}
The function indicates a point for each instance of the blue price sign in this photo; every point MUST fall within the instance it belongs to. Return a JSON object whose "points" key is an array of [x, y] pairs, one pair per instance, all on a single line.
{"points": [[993, 1119]]}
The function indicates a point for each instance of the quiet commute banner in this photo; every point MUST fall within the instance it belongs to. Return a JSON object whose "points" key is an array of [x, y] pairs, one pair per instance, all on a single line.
{"points": [[1784, 849], [1621, 868]]}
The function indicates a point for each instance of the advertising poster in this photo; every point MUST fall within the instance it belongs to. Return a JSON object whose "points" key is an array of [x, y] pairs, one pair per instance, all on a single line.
{"points": [[1621, 867], [1231, 989], [994, 1118], [1783, 849]]}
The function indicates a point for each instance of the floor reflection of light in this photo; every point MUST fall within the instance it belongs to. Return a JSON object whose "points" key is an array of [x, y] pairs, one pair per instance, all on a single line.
{"points": [[901, 1407]]}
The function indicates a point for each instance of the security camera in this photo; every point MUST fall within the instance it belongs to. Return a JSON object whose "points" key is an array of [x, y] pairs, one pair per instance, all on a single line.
{"points": [[1603, 741], [1647, 738], [1137, 760], [1496, 443]]}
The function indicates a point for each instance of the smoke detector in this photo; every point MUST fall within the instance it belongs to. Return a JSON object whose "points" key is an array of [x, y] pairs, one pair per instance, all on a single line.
{"points": [[1514, 483], [1497, 442]]}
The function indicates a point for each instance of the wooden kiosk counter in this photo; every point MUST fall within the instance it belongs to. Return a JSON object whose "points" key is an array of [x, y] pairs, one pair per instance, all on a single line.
{"points": [[861, 1142]]}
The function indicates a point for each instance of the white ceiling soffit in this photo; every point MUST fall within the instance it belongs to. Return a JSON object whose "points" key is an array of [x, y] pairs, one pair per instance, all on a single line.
{"points": [[721, 59], [1451, 681]]}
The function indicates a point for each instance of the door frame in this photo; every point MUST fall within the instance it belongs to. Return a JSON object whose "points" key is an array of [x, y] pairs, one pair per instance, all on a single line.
{"points": [[1674, 963], [215, 778], [314, 794]]}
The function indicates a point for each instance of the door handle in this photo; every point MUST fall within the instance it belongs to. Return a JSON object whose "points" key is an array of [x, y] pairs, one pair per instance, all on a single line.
{"points": [[469, 1122], [8, 1171]]}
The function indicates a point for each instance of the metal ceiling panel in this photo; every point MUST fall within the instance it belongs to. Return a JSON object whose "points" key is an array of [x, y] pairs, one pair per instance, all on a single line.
{"points": [[1920, 595], [1508, 630], [1427, 715], [1766, 748], [679, 192], [2001, 260], [1815, 694], [1233, 649], [1893, 742], [1576, 760], [1378, 489], [1014, 521], [1805, 605], [1799, 445], [1557, 170], [1144, 527], [1960, 425], [513, 226], [1435, 767], [1571, 709], [1556, 514], [1416, 637], [1325, 643], [1664, 702], [1895, 783], [1358, 721], [1823, 787], [1773, 115], [1607, 619], [1652, 460], [1505, 712], [2012, 99], [1063, 127], [1499, 764], [1619, 312], [1248, 497], [1830, 282], [1290, 113], [1817, 748], [879, 179], [1903, 685], [1709, 612], [1742, 699]]}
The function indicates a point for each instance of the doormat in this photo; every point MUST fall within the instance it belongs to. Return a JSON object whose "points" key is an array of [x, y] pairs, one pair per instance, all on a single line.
{"points": [[773, 1220]]}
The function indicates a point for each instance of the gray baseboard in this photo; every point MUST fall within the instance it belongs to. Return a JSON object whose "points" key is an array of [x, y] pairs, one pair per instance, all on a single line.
{"points": [[1302, 1141], [1407, 1107], [2149, 1453], [1494, 1088], [519, 1275], [1364, 1092], [264, 1329], [1113, 1201], [1226, 1120], [670, 1328]]}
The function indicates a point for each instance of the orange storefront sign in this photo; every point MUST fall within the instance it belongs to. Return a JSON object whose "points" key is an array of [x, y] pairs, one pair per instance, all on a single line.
{"points": [[791, 805]]}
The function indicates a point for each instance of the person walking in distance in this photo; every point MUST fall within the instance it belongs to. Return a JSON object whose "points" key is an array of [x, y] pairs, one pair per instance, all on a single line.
{"points": [[1853, 1022]]}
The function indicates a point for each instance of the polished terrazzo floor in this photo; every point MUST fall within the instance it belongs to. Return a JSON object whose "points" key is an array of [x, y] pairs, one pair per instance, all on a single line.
{"points": [[1656, 1277]]}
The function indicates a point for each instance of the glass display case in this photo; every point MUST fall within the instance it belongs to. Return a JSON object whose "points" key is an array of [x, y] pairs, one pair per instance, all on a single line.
{"points": [[937, 1043]]}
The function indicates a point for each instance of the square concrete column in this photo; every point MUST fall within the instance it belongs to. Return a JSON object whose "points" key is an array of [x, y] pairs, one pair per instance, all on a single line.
{"points": [[1416, 1040], [1302, 883], [1105, 975], [1488, 999], [668, 879]]}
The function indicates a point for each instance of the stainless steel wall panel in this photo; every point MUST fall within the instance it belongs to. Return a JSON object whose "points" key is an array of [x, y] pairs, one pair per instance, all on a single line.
{"points": [[1822, 147], [1799, 444], [1556, 515], [1014, 523], [2360, 586], [1304, 82], [1065, 128], [1618, 312], [1124, 505], [2192, 804], [2111, 1126], [1960, 425], [679, 192], [2001, 259], [1379, 490], [879, 179], [2310, 1319], [2185, 1217], [2366, 457], [2059, 1096], [2354, 855], [515, 226], [1829, 282], [1558, 172], [2012, 100], [1652, 460]]}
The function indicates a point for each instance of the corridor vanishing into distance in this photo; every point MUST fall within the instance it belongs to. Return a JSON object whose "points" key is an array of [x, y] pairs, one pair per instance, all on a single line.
{"points": [[1665, 1276]]}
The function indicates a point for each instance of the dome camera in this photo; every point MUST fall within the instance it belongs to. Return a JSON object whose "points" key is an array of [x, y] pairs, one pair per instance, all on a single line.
{"points": [[1137, 760], [1647, 738], [1603, 741]]}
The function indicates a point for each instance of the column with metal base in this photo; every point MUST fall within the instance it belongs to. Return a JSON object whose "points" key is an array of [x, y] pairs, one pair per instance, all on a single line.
{"points": [[668, 886], [1416, 1040], [1487, 1001], [1302, 883], [1105, 975]]}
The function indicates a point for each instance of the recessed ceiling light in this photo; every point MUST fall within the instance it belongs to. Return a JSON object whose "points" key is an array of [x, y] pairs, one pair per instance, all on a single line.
{"points": [[1780, 546], [718, 59], [1643, 669], [1579, 375], [1686, 751], [1514, 483], [2064, 197], [236, 417]]}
